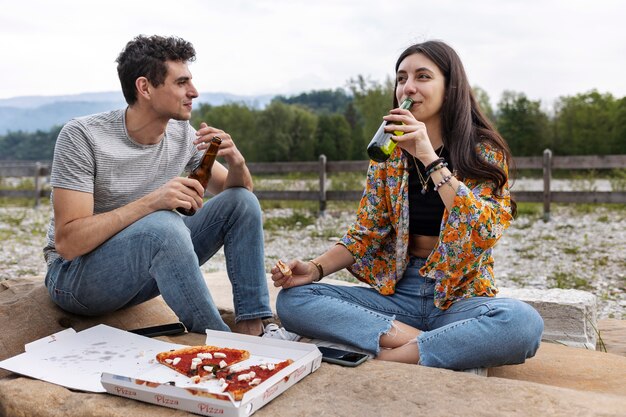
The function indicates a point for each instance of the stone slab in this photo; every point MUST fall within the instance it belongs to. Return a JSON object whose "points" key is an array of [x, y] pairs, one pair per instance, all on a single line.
{"points": [[569, 316]]}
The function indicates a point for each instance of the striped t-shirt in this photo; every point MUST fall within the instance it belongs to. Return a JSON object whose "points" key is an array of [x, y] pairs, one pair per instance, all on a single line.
{"points": [[95, 154]]}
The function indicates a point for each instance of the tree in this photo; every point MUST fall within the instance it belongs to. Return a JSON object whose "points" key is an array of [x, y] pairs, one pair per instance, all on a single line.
{"points": [[358, 140], [619, 133], [372, 100], [273, 137], [303, 135], [522, 123], [483, 102], [285, 133], [585, 124], [37, 146], [333, 137], [238, 120], [320, 101]]}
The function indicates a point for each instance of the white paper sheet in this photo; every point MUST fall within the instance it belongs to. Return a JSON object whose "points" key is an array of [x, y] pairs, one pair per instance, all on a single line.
{"points": [[77, 360]]}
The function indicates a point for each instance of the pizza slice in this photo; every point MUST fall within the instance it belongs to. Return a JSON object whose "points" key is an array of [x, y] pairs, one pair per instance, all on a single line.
{"points": [[284, 268], [198, 362], [237, 381]]}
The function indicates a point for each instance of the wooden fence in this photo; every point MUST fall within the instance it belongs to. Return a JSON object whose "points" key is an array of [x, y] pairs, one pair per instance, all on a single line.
{"points": [[547, 163]]}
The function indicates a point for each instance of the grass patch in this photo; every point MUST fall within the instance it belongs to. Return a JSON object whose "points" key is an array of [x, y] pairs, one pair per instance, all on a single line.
{"points": [[298, 219], [347, 181], [564, 280], [14, 219], [527, 252], [618, 180], [311, 206], [602, 261], [572, 250], [530, 209], [518, 280]]}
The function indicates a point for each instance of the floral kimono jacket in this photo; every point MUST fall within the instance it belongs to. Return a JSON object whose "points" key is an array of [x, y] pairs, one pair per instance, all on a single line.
{"points": [[461, 264]]}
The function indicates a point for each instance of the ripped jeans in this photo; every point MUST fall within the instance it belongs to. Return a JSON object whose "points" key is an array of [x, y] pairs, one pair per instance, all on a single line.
{"points": [[472, 333]]}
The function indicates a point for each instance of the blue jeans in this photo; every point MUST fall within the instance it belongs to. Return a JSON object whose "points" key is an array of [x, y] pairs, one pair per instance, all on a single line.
{"points": [[472, 333], [161, 254]]}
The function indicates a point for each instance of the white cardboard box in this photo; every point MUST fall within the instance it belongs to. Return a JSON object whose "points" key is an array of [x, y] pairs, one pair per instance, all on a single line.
{"points": [[208, 400], [103, 358]]}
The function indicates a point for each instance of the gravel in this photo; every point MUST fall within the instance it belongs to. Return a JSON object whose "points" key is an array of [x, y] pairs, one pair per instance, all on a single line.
{"points": [[582, 248]]}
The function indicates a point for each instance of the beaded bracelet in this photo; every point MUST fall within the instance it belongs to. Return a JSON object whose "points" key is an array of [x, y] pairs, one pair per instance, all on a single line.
{"points": [[436, 168], [434, 164], [445, 180]]}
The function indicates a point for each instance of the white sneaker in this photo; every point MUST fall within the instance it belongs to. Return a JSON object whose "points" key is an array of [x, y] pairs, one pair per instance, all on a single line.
{"points": [[273, 331], [477, 371]]}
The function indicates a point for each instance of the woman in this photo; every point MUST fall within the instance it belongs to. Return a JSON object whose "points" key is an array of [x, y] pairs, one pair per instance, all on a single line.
{"points": [[423, 238]]}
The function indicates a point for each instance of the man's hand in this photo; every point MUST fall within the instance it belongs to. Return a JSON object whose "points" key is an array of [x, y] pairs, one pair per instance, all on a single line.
{"points": [[177, 192], [227, 150], [237, 174]]}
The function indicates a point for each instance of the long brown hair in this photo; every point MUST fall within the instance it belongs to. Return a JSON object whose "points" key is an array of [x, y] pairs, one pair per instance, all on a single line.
{"points": [[463, 124]]}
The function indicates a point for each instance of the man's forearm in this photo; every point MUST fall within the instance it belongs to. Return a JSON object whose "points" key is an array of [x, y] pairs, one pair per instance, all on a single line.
{"points": [[83, 235], [239, 176]]}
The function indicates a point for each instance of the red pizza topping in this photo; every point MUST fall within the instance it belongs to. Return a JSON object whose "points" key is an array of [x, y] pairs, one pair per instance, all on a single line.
{"points": [[243, 380], [201, 360]]}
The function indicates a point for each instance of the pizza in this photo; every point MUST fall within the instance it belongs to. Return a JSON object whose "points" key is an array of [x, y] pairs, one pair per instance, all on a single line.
{"points": [[284, 268], [238, 380], [199, 362]]}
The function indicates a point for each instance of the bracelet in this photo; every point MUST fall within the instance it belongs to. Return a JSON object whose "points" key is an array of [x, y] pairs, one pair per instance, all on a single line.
{"points": [[445, 180], [436, 168], [434, 164], [319, 269]]}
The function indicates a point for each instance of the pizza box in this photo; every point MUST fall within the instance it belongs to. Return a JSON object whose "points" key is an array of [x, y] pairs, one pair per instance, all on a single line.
{"points": [[106, 359], [206, 398]]}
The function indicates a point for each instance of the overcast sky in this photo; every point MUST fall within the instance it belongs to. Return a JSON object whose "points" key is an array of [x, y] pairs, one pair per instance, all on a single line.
{"points": [[543, 48]]}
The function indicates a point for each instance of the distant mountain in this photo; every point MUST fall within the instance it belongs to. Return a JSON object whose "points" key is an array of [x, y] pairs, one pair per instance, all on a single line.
{"points": [[32, 113]]}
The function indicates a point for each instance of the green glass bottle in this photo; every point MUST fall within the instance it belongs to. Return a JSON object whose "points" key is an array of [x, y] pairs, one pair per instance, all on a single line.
{"points": [[381, 146], [203, 172]]}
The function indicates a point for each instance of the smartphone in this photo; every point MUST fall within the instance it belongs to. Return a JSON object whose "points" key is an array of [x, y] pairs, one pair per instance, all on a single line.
{"points": [[161, 330], [342, 357]]}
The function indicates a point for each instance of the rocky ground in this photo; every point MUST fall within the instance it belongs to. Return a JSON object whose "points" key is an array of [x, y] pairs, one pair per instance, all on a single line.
{"points": [[582, 247]]}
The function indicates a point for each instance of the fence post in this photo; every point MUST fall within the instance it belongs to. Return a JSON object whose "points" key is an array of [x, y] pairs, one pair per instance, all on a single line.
{"points": [[322, 171], [37, 183], [547, 176]]}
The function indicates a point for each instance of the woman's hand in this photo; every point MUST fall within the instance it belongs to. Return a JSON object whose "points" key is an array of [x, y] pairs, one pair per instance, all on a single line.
{"points": [[415, 139], [298, 273]]}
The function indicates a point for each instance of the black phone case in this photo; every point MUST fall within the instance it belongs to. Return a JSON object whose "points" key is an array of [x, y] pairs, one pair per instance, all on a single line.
{"points": [[161, 330], [342, 357]]}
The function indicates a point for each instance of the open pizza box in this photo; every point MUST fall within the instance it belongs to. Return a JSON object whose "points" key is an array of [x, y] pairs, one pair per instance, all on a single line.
{"points": [[105, 359]]}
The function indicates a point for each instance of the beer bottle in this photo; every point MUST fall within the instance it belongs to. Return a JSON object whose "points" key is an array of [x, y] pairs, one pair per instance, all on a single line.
{"points": [[203, 172], [382, 145]]}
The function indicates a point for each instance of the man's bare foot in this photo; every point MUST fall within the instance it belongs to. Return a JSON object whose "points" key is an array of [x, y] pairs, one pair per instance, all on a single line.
{"points": [[252, 327]]}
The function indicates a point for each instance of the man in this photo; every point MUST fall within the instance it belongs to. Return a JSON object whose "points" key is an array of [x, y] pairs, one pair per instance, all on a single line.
{"points": [[115, 240]]}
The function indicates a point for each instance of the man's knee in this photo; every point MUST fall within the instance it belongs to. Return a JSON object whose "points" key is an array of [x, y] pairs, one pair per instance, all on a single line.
{"points": [[241, 206], [164, 226], [241, 199]]}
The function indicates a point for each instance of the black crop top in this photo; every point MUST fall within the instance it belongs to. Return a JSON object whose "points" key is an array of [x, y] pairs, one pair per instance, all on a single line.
{"points": [[425, 210]]}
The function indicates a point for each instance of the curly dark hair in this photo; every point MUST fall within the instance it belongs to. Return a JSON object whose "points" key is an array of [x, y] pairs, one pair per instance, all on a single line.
{"points": [[145, 57], [463, 123]]}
